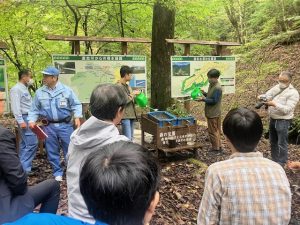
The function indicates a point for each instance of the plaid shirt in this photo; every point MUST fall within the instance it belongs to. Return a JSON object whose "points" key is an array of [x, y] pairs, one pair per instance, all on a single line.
{"points": [[245, 189]]}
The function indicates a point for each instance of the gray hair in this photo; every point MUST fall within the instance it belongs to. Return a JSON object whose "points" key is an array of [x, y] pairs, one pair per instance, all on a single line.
{"points": [[288, 74], [105, 101]]}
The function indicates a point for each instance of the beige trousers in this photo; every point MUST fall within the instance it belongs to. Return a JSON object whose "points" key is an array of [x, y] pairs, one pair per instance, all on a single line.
{"points": [[214, 132]]}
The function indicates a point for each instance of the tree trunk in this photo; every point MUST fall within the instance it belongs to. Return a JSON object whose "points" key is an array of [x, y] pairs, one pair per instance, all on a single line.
{"points": [[162, 28], [77, 18]]}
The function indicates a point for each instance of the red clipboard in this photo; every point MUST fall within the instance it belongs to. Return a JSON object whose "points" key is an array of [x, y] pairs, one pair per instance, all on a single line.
{"points": [[39, 132]]}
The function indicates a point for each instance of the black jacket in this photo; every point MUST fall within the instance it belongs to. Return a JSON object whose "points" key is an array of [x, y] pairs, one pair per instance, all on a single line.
{"points": [[14, 200]]}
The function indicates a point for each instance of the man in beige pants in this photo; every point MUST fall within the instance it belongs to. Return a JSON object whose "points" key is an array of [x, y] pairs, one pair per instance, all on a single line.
{"points": [[212, 101]]}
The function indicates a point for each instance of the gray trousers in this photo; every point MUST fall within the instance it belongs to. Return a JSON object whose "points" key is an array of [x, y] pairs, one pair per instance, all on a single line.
{"points": [[279, 139]]}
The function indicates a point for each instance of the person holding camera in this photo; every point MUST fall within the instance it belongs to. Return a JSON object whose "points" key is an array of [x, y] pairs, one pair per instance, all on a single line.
{"points": [[281, 101]]}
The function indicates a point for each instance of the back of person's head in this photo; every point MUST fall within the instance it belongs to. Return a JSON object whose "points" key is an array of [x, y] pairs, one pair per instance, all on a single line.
{"points": [[24, 72], [125, 70], [243, 128], [213, 73], [119, 182], [106, 100]]}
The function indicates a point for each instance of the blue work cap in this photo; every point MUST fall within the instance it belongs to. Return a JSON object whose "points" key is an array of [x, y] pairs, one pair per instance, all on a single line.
{"points": [[51, 71]]}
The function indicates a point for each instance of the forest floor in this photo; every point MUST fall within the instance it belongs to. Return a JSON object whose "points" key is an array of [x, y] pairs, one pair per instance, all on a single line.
{"points": [[182, 182]]}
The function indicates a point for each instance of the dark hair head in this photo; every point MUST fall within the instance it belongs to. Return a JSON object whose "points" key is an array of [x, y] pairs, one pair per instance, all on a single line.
{"points": [[213, 73], [118, 183], [23, 73], [243, 128], [125, 70], [105, 101]]}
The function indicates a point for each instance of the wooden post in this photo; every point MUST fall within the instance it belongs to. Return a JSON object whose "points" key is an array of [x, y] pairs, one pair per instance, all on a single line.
{"points": [[187, 49], [124, 48], [219, 49], [76, 47], [187, 103]]}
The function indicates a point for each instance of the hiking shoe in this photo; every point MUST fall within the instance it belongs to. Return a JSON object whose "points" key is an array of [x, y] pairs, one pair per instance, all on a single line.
{"points": [[59, 178], [216, 151]]}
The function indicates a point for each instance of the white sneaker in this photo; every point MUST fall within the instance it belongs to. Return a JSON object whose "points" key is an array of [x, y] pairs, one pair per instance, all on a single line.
{"points": [[59, 178]]}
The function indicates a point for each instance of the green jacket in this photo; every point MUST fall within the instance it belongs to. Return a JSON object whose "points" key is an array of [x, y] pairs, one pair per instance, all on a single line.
{"points": [[130, 107], [213, 101]]}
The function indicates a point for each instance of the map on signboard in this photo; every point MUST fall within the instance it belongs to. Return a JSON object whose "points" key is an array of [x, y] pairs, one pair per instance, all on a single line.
{"points": [[84, 73], [189, 73]]}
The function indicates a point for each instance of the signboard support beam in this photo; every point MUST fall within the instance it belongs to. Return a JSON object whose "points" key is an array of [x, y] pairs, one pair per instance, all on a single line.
{"points": [[76, 47], [124, 48], [187, 49], [219, 49], [75, 40], [187, 102]]}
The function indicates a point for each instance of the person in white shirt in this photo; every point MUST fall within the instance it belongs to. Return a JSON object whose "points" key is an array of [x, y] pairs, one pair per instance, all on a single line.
{"points": [[281, 101]]}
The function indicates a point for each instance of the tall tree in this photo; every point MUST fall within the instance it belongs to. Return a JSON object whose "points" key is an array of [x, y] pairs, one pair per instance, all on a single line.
{"points": [[163, 25]]}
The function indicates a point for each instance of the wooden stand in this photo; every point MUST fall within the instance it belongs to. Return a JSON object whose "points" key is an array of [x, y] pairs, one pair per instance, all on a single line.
{"points": [[160, 136]]}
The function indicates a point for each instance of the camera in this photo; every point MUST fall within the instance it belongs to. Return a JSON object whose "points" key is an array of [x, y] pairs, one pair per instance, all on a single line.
{"points": [[261, 102]]}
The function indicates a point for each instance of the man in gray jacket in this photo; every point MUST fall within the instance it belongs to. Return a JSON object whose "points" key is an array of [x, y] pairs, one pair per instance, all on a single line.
{"points": [[107, 104], [282, 100]]}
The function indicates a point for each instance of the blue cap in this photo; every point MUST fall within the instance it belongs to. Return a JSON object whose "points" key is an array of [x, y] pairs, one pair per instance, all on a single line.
{"points": [[51, 71]]}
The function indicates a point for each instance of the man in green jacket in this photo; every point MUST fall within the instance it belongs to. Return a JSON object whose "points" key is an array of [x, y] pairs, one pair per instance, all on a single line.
{"points": [[212, 101], [130, 114]]}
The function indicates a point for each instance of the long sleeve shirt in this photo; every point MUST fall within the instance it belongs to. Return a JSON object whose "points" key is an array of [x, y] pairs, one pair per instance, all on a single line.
{"points": [[55, 104], [213, 101], [21, 100], [49, 219], [245, 189], [286, 102], [11, 170], [215, 98]]}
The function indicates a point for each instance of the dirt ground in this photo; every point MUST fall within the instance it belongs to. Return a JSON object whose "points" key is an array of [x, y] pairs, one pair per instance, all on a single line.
{"points": [[182, 175], [182, 182]]}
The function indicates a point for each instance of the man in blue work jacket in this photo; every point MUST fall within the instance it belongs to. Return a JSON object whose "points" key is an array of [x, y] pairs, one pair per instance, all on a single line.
{"points": [[55, 104], [20, 105]]}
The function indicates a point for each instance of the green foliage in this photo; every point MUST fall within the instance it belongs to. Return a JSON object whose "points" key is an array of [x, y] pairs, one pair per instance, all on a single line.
{"points": [[295, 126], [294, 130], [259, 23], [178, 110]]}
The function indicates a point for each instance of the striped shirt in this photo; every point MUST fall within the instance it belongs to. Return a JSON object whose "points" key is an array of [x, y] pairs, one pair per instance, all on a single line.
{"points": [[245, 189]]}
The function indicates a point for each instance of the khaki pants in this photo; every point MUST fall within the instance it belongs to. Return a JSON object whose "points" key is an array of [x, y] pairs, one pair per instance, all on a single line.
{"points": [[214, 132]]}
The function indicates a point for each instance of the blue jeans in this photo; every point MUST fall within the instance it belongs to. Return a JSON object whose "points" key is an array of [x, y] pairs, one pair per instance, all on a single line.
{"points": [[127, 128], [279, 140], [58, 137], [28, 146]]}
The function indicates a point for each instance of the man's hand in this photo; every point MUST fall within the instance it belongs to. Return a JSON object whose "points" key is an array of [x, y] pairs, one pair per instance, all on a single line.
{"points": [[77, 122], [23, 125], [31, 125], [136, 92], [201, 99], [293, 165], [271, 103]]}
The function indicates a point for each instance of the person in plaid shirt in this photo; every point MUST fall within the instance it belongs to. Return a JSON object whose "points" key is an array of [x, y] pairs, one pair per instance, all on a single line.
{"points": [[247, 188]]}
